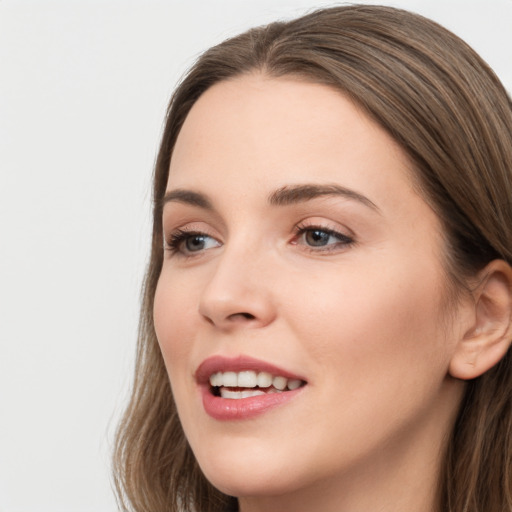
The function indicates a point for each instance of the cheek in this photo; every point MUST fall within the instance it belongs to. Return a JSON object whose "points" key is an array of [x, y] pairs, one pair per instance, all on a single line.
{"points": [[375, 324], [377, 354], [171, 312]]}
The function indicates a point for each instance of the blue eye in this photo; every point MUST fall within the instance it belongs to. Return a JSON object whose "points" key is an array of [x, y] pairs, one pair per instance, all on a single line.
{"points": [[186, 243]]}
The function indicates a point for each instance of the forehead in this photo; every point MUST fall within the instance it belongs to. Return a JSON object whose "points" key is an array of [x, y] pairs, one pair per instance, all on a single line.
{"points": [[267, 133]]}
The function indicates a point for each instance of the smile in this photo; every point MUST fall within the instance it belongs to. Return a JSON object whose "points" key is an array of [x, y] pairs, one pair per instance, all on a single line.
{"points": [[247, 384], [243, 387]]}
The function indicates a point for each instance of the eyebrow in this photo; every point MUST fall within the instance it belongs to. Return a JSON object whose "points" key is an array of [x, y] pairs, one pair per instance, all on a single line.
{"points": [[283, 196], [187, 197], [300, 193]]}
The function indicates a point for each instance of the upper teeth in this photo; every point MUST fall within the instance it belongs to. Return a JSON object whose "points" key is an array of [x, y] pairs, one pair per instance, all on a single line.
{"points": [[251, 379]]}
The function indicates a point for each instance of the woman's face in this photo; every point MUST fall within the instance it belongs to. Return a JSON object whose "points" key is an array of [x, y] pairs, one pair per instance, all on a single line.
{"points": [[300, 254]]}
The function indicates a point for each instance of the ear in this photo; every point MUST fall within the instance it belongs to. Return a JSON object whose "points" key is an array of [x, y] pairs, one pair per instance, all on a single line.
{"points": [[489, 336]]}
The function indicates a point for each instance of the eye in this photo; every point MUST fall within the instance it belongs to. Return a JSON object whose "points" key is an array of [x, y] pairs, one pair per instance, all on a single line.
{"points": [[189, 242], [317, 237]]}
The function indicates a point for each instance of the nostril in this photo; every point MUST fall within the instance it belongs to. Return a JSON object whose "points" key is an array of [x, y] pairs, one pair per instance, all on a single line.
{"points": [[232, 319], [242, 316]]}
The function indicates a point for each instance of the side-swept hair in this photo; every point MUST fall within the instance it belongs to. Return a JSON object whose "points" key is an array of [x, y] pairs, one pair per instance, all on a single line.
{"points": [[448, 111]]}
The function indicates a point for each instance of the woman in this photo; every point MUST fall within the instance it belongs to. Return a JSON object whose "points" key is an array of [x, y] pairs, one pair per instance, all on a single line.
{"points": [[326, 317]]}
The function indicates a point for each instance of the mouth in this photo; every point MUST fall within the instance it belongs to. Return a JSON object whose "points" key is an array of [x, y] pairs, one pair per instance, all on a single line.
{"points": [[249, 383], [242, 387]]}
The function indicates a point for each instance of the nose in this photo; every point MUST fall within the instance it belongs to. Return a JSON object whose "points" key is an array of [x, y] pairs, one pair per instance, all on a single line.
{"points": [[238, 293]]}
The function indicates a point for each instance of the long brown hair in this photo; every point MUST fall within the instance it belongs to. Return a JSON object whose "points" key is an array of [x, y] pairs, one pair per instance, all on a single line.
{"points": [[446, 108]]}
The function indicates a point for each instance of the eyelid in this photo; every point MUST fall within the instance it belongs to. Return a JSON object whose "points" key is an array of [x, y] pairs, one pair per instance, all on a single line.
{"points": [[325, 224], [193, 226]]}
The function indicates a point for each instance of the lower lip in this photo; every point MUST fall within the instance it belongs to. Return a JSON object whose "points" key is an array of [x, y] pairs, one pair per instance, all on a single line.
{"points": [[226, 409]]}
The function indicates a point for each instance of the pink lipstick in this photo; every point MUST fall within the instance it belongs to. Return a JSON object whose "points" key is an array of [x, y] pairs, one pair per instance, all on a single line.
{"points": [[243, 387]]}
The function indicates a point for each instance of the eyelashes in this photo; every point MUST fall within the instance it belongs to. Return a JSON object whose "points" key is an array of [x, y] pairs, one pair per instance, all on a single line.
{"points": [[313, 238], [188, 242]]}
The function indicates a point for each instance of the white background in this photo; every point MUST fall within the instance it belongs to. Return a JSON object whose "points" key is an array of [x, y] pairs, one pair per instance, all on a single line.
{"points": [[83, 90]]}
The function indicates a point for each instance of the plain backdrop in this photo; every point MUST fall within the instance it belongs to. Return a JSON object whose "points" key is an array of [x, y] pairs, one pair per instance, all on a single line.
{"points": [[83, 90]]}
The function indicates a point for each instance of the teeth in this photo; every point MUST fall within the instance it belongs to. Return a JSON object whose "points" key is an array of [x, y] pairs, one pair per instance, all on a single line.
{"points": [[216, 379], [250, 379], [247, 380], [226, 393], [280, 383], [264, 380], [230, 379], [294, 384]]}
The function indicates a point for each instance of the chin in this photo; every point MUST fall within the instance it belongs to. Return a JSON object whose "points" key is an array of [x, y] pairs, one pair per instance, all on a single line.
{"points": [[251, 484], [249, 474]]}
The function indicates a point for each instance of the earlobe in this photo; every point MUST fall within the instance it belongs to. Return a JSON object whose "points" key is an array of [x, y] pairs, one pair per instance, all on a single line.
{"points": [[487, 340]]}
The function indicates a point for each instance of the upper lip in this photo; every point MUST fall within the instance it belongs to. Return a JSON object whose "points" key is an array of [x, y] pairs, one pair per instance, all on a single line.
{"points": [[240, 363]]}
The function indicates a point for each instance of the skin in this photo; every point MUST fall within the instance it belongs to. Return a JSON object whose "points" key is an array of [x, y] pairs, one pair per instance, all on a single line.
{"points": [[365, 323]]}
